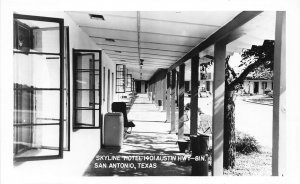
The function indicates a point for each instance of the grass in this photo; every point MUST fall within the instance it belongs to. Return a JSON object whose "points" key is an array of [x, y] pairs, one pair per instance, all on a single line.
{"points": [[265, 100], [254, 164]]}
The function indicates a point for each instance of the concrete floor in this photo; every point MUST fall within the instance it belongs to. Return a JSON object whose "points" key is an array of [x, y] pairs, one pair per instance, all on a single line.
{"points": [[150, 137]]}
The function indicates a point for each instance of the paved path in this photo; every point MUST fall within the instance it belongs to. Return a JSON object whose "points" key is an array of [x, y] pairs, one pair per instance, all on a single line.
{"points": [[150, 137]]}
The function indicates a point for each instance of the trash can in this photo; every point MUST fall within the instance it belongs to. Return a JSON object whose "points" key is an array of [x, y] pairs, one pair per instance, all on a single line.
{"points": [[199, 145], [113, 129], [184, 145], [160, 107]]}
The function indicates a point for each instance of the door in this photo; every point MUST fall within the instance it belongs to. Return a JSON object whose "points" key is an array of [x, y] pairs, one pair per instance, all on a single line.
{"points": [[138, 86], [86, 84], [146, 86], [207, 85], [256, 84]]}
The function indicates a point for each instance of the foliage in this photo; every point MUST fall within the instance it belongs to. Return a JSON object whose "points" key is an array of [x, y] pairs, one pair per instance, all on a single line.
{"points": [[246, 143], [261, 73], [257, 61]]}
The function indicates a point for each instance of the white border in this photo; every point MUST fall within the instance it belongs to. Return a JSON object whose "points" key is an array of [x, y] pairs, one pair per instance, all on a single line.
{"points": [[293, 75]]}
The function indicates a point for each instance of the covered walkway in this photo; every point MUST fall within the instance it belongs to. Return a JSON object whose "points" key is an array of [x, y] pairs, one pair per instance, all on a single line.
{"points": [[150, 137], [107, 57]]}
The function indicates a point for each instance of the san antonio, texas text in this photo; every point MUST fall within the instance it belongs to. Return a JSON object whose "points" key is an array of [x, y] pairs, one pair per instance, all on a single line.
{"points": [[141, 161]]}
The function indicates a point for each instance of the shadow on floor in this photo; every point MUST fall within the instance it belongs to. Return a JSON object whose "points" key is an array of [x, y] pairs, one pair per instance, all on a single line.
{"points": [[140, 145]]}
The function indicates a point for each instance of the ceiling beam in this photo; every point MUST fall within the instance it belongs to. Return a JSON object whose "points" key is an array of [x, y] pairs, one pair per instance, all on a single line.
{"points": [[159, 43], [136, 57], [146, 63], [153, 65], [122, 46], [143, 32], [144, 66], [140, 53], [152, 61], [222, 33]]}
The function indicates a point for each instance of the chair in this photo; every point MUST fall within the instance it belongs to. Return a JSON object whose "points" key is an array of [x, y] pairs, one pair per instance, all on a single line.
{"points": [[121, 107]]}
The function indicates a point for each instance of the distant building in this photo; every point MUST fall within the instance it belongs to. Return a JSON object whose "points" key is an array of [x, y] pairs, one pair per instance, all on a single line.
{"points": [[257, 86]]}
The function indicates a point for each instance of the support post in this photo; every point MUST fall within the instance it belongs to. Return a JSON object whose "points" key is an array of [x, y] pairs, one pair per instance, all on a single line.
{"points": [[160, 89], [173, 85], [218, 108], [164, 95], [279, 107], [181, 102], [168, 98], [155, 92], [194, 95]]}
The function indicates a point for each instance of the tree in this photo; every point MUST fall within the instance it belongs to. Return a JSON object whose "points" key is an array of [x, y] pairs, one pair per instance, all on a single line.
{"points": [[256, 62]]}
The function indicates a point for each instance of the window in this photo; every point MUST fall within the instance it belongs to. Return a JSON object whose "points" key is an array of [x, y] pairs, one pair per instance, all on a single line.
{"points": [[120, 78], [86, 84], [38, 87]]}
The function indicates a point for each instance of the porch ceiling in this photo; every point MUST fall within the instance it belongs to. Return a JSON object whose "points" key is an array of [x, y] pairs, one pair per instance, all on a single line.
{"points": [[159, 38]]}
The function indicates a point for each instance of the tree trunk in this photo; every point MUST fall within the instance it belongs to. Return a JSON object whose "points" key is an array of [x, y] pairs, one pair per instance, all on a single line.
{"points": [[229, 130]]}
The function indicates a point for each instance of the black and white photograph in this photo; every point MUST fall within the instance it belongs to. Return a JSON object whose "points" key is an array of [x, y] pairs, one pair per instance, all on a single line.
{"points": [[114, 92]]}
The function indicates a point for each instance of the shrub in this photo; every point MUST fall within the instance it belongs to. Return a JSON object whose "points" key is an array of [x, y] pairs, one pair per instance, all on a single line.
{"points": [[246, 143]]}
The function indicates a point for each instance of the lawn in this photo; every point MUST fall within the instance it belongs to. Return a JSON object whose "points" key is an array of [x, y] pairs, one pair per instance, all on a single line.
{"points": [[254, 164], [265, 100]]}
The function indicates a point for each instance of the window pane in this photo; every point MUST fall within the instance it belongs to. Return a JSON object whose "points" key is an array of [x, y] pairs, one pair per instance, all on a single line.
{"points": [[36, 106], [36, 140], [84, 117], [37, 71], [85, 99], [85, 62], [36, 36], [84, 80]]}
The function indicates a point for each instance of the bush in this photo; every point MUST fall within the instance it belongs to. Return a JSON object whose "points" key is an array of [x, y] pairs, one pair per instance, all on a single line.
{"points": [[246, 143]]}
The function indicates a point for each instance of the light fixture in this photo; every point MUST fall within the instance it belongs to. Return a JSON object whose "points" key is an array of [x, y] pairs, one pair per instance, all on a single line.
{"points": [[110, 40], [96, 17], [141, 61]]}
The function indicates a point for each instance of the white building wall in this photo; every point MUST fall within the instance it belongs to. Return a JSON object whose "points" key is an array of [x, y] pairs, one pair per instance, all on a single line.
{"points": [[248, 86], [78, 39], [109, 65]]}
